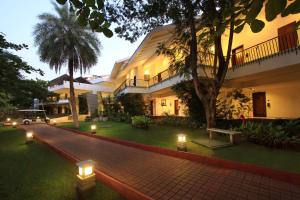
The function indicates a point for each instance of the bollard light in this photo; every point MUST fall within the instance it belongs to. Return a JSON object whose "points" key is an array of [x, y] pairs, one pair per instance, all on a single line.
{"points": [[54, 122], [29, 137], [86, 180], [8, 119], [181, 142], [93, 128], [14, 124]]}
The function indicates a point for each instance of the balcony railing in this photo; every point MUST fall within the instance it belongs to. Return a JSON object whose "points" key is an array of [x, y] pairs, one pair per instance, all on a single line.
{"points": [[132, 83], [273, 47], [267, 49], [162, 76]]}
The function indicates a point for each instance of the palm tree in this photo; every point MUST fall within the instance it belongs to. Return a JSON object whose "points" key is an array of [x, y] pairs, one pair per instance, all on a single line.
{"points": [[62, 41]]}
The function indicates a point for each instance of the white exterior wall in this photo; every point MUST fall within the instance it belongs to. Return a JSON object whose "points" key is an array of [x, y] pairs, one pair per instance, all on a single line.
{"points": [[284, 102], [169, 108], [248, 38]]}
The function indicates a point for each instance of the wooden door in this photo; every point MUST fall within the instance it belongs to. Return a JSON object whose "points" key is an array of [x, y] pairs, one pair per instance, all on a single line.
{"points": [[287, 36], [259, 104], [176, 107], [238, 56], [151, 108], [134, 81], [159, 79]]}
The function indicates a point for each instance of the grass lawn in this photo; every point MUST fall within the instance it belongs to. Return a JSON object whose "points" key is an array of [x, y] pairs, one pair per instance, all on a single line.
{"points": [[164, 136], [36, 172]]}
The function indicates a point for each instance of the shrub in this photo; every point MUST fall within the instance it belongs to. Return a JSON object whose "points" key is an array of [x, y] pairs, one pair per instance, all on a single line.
{"points": [[186, 93], [285, 135], [132, 103], [140, 122], [172, 120]]}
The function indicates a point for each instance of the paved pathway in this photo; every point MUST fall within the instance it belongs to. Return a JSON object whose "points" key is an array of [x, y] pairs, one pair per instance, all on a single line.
{"points": [[164, 177]]}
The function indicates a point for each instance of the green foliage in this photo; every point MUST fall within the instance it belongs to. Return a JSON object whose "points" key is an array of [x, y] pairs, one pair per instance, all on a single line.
{"points": [[285, 135], [133, 104], [61, 40], [233, 105], [83, 105], [177, 121], [14, 90], [28, 171], [90, 13], [274, 8], [124, 106], [142, 122], [29, 90], [110, 106], [185, 91]]}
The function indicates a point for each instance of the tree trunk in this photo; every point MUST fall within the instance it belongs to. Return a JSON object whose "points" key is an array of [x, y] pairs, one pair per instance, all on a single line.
{"points": [[210, 111], [72, 95]]}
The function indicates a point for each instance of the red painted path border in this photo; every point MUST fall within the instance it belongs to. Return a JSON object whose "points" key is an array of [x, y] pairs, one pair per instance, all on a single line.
{"points": [[124, 189], [289, 177]]}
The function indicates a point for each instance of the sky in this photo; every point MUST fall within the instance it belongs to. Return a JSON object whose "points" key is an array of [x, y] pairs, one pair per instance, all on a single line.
{"points": [[18, 18]]}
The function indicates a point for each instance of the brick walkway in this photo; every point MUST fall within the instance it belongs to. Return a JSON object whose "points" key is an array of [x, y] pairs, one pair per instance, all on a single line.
{"points": [[163, 177]]}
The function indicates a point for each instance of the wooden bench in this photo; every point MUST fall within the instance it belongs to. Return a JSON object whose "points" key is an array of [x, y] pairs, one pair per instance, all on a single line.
{"points": [[234, 135]]}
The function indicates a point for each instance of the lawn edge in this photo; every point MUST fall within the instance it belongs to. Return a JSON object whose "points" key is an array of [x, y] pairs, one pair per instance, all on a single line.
{"points": [[116, 185], [290, 177]]}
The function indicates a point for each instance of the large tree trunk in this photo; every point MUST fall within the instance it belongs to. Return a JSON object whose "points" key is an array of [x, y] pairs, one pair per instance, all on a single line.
{"points": [[72, 95], [210, 111]]}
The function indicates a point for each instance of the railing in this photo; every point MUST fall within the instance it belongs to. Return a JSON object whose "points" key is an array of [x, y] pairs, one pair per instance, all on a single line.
{"points": [[132, 83], [270, 48], [162, 76]]}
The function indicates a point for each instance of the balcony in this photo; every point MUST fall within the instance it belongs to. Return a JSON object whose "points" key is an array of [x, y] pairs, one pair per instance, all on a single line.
{"points": [[274, 53], [132, 86], [80, 87]]}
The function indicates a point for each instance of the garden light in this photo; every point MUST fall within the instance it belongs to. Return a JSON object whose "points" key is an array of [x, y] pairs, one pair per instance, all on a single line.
{"points": [[93, 128], [86, 176], [14, 124], [54, 122], [29, 137], [181, 142], [8, 119]]}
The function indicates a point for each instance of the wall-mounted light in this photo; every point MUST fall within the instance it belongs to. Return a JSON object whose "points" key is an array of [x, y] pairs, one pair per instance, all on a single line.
{"points": [[93, 128], [181, 142], [29, 137], [86, 176], [268, 103], [146, 75], [163, 102]]}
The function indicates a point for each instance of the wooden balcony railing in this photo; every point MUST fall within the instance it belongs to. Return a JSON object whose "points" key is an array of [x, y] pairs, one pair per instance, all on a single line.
{"points": [[273, 47]]}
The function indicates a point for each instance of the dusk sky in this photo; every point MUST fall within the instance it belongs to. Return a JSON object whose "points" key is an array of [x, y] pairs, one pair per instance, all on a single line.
{"points": [[18, 17]]}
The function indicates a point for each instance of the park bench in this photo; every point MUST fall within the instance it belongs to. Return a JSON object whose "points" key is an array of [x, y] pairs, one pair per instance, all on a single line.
{"points": [[234, 135]]}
